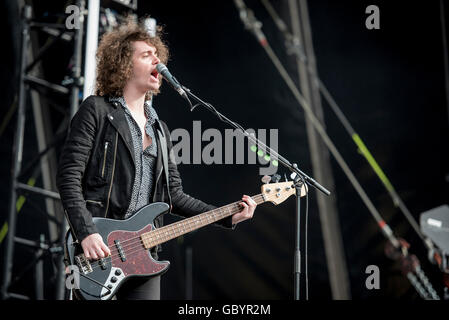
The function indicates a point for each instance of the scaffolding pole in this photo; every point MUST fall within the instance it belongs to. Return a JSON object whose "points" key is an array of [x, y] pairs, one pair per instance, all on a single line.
{"points": [[320, 158], [30, 83]]}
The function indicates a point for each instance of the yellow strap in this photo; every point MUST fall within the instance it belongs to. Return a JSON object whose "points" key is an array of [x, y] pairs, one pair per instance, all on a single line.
{"points": [[364, 151], [19, 204]]}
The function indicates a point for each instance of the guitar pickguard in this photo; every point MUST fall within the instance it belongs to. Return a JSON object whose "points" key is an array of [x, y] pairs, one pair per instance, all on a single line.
{"points": [[138, 260]]}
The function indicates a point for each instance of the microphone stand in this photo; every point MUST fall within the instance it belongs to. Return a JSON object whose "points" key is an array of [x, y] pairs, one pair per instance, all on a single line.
{"points": [[300, 178]]}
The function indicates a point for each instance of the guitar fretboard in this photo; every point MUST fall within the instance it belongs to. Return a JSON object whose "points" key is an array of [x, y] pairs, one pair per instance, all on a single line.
{"points": [[174, 230]]}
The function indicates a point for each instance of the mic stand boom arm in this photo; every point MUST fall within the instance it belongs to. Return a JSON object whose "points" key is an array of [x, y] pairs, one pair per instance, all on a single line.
{"points": [[293, 167]]}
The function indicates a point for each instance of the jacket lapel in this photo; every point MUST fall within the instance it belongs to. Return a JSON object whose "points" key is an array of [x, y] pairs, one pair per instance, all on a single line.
{"points": [[159, 153], [118, 120]]}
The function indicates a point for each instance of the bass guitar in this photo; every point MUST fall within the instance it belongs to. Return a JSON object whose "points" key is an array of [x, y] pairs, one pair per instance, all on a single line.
{"points": [[130, 240]]}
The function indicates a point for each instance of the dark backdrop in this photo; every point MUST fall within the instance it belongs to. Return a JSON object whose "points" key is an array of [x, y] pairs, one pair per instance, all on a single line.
{"points": [[388, 82]]}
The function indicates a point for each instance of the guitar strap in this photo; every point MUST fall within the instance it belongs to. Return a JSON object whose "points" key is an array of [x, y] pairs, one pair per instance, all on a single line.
{"points": [[163, 142]]}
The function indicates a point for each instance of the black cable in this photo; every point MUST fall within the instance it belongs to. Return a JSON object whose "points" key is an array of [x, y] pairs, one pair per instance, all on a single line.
{"points": [[305, 241], [445, 53]]}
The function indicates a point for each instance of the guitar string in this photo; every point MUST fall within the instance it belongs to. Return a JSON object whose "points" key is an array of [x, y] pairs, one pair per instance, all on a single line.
{"points": [[138, 241], [192, 221], [192, 218], [218, 211], [167, 231], [133, 250]]}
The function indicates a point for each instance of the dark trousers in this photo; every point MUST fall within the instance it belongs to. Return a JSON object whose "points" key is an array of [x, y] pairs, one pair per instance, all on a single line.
{"points": [[140, 289], [134, 289]]}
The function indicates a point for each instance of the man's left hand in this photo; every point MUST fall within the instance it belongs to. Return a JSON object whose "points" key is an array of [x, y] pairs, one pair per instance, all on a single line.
{"points": [[249, 205]]}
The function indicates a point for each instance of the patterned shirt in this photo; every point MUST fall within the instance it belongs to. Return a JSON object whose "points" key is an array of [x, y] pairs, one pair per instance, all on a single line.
{"points": [[145, 160]]}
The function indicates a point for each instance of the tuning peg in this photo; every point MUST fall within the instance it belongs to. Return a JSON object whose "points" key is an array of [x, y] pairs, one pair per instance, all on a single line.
{"points": [[275, 178], [266, 179]]}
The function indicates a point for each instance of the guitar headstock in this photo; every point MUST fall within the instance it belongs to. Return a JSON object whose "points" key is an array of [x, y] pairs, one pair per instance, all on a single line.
{"points": [[279, 192]]}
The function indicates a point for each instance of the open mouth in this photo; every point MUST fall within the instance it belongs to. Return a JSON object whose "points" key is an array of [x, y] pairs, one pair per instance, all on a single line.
{"points": [[154, 74]]}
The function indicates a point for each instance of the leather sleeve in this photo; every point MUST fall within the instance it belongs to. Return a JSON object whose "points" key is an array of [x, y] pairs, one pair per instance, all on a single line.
{"points": [[72, 164]]}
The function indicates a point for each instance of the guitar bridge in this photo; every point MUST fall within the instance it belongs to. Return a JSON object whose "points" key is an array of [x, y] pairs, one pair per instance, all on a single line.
{"points": [[121, 253], [83, 264]]}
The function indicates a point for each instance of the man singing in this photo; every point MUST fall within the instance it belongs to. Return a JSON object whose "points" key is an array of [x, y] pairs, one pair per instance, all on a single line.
{"points": [[111, 164]]}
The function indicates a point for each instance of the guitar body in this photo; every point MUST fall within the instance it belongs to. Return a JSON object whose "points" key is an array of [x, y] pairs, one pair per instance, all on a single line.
{"points": [[100, 279]]}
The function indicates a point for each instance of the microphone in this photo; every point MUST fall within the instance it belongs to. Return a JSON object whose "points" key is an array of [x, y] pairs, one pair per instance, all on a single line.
{"points": [[163, 70]]}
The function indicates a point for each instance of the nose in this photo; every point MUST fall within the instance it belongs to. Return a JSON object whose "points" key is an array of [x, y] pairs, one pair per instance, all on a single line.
{"points": [[156, 60]]}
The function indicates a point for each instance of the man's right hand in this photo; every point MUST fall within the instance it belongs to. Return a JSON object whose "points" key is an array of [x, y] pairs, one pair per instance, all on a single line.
{"points": [[94, 247]]}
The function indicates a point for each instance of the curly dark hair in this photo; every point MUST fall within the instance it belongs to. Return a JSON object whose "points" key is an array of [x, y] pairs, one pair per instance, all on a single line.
{"points": [[114, 56]]}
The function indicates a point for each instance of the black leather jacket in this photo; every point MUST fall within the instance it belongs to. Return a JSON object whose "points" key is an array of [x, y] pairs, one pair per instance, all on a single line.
{"points": [[96, 170]]}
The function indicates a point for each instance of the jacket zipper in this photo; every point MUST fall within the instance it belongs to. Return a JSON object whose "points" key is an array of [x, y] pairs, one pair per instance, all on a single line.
{"points": [[112, 178], [104, 158], [157, 180], [95, 202], [168, 190]]}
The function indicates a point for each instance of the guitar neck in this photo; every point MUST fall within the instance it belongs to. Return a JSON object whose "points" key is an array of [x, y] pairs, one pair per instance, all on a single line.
{"points": [[174, 230]]}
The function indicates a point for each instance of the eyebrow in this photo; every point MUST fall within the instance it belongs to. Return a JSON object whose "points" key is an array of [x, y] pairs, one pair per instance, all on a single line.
{"points": [[150, 51]]}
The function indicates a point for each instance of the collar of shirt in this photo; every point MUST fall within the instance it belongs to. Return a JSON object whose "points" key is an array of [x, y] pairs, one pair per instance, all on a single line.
{"points": [[150, 112]]}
